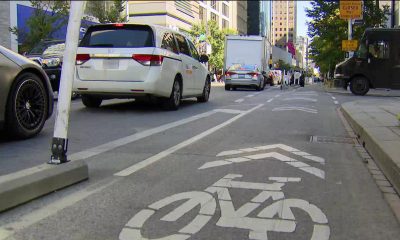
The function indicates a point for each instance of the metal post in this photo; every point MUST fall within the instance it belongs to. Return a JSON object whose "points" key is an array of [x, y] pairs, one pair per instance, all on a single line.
{"points": [[59, 143], [350, 35]]}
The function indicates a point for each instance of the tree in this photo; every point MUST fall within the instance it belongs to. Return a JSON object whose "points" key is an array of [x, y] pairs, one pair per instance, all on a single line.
{"points": [[47, 18], [327, 30], [105, 14], [215, 37]]}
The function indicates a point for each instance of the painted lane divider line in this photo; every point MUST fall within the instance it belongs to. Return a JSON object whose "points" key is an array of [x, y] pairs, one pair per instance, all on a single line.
{"points": [[264, 156], [270, 100], [336, 102], [135, 137], [333, 98], [249, 96], [278, 95], [239, 100], [155, 158]]}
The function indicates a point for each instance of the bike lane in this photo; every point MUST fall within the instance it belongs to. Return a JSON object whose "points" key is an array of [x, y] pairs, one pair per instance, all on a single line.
{"points": [[257, 178]]}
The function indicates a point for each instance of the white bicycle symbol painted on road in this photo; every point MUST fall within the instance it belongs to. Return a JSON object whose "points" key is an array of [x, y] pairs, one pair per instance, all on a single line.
{"points": [[276, 217]]}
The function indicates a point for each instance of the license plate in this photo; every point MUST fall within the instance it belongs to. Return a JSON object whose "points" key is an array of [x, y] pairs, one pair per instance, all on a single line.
{"points": [[110, 63], [241, 76]]}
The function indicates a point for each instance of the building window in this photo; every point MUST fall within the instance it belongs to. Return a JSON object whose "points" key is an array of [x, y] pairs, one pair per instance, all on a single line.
{"points": [[202, 15], [280, 24], [214, 17], [224, 24], [280, 29], [214, 5], [185, 7], [225, 10]]}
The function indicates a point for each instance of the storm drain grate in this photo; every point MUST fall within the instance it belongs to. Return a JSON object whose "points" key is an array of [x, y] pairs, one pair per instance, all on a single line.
{"points": [[325, 139]]}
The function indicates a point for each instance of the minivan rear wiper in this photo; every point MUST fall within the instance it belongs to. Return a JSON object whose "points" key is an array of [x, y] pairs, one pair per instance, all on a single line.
{"points": [[101, 45]]}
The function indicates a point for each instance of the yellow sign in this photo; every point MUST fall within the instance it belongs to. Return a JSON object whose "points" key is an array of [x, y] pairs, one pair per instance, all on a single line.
{"points": [[350, 9], [349, 45]]}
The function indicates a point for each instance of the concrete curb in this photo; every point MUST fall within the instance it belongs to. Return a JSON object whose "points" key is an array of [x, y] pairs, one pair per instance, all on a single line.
{"points": [[376, 148], [28, 184]]}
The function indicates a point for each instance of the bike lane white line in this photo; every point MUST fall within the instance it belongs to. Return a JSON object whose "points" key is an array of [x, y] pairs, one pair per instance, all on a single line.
{"points": [[138, 166]]}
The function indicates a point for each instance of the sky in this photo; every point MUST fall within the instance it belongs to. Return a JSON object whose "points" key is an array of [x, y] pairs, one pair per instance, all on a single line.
{"points": [[302, 18]]}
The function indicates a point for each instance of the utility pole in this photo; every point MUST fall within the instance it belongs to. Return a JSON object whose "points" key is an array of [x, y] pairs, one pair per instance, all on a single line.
{"points": [[59, 143], [350, 35]]}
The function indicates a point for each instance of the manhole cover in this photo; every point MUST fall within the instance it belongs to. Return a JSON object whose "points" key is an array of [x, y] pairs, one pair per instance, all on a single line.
{"points": [[325, 139]]}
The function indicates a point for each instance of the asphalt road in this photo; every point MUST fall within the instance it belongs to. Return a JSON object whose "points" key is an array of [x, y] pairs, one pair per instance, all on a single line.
{"points": [[241, 166]]}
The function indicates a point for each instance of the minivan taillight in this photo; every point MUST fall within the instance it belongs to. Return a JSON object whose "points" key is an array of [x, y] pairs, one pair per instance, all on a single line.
{"points": [[148, 60], [81, 58]]}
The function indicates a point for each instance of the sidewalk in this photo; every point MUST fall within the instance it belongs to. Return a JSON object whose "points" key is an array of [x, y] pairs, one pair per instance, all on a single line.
{"points": [[371, 92], [375, 123]]}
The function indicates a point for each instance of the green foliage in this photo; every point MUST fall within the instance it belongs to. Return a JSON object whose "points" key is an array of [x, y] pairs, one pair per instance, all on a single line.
{"points": [[48, 17], [105, 14], [216, 38], [327, 30]]}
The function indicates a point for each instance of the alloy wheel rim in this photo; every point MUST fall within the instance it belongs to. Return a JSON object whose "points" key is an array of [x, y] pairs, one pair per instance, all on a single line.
{"points": [[207, 90], [177, 93], [30, 104]]}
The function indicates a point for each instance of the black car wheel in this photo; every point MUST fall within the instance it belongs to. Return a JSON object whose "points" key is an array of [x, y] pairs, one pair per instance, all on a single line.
{"points": [[27, 107], [227, 87], [206, 92], [173, 102], [91, 101], [359, 86]]}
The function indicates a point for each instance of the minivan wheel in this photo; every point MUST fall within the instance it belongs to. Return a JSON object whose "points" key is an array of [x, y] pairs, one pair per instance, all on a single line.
{"points": [[91, 101], [227, 87], [359, 86], [27, 107], [206, 92], [174, 100]]}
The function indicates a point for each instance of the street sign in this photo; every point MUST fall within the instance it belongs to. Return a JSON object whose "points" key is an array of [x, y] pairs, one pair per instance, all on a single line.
{"points": [[351, 9], [349, 45]]}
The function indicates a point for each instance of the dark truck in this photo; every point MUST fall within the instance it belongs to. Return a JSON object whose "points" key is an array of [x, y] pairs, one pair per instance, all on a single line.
{"points": [[376, 63]]}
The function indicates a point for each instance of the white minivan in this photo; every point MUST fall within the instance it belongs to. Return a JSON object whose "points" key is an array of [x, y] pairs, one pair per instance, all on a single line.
{"points": [[132, 61]]}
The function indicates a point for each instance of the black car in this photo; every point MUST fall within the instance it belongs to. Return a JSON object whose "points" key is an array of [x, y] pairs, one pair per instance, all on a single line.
{"points": [[49, 54]]}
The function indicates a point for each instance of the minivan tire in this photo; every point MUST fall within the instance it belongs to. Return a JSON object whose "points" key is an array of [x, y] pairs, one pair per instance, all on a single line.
{"points": [[28, 89], [91, 101], [206, 92], [359, 86], [172, 103]]}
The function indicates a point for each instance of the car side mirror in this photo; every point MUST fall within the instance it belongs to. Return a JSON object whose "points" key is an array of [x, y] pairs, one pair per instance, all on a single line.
{"points": [[203, 59]]}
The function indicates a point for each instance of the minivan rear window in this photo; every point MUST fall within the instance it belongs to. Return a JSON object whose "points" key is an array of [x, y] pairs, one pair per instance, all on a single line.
{"points": [[112, 36]]}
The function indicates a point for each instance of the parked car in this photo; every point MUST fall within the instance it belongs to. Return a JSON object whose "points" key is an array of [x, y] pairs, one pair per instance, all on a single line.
{"points": [[242, 75], [49, 54], [26, 96], [133, 61]]}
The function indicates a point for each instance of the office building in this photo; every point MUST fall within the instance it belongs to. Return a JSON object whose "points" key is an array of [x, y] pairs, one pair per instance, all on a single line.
{"points": [[396, 13], [181, 15], [283, 23], [241, 17]]}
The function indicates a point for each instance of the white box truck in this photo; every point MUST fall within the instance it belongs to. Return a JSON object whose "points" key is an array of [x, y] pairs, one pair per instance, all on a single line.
{"points": [[248, 50]]}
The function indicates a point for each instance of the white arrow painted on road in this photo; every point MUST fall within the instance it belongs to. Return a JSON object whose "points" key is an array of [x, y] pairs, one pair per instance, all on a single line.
{"points": [[263, 156], [303, 109], [300, 98], [273, 146]]}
